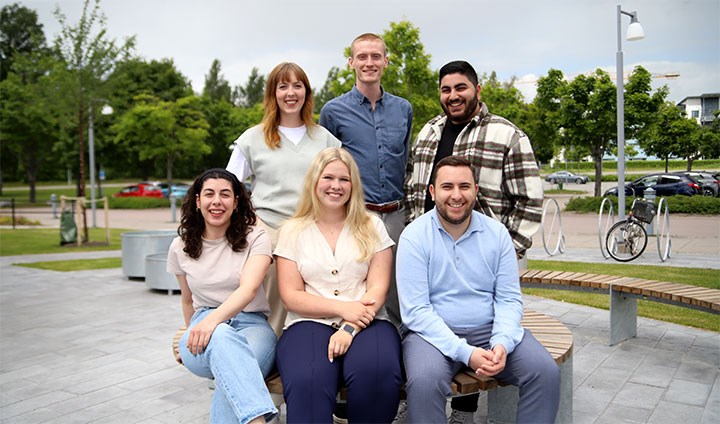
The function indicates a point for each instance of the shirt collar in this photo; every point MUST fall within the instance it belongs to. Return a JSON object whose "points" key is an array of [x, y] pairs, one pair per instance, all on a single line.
{"points": [[476, 224], [360, 98]]}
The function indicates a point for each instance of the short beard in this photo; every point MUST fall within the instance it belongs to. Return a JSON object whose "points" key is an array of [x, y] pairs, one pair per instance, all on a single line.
{"points": [[449, 220]]}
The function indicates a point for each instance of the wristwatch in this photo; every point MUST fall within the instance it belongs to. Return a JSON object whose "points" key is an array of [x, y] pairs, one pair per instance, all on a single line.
{"points": [[348, 329]]}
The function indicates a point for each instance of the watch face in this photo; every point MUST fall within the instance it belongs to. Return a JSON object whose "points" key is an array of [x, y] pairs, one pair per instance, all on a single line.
{"points": [[349, 328]]}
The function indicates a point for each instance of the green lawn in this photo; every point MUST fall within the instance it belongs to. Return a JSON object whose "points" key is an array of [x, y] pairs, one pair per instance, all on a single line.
{"points": [[47, 240], [76, 265]]}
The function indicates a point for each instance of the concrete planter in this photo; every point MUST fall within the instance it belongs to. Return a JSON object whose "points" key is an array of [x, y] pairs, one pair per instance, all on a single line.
{"points": [[137, 245], [156, 275]]}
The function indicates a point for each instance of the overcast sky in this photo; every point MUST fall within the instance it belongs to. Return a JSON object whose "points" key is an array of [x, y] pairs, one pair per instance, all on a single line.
{"points": [[521, 38]]}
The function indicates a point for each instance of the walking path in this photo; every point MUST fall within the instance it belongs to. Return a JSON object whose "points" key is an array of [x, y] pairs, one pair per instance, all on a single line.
{"points": [[95, 347]]}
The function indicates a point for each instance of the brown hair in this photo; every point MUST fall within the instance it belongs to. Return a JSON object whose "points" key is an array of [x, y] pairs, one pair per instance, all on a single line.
{"points": [[283, 73], [368, 36]]}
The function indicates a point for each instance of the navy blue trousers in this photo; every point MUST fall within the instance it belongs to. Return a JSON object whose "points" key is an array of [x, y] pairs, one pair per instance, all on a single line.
{"points": [[371, 370]]}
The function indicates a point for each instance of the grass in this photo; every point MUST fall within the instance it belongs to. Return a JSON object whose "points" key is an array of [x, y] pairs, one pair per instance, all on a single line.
{"points": [[669, 313], [47, 240], [19, 220], [557, 191], [76, 264]]}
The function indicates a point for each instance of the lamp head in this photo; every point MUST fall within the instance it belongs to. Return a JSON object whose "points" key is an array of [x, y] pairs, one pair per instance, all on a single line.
{"points": [[635, 30], [107, 110]]}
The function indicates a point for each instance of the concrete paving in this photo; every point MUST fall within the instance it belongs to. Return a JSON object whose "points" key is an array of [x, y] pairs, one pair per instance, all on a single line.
{"points": [[95, 347]]}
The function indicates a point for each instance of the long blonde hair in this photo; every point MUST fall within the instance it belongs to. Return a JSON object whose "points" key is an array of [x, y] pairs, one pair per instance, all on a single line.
{"points": [[271, 120], [356, 216]]}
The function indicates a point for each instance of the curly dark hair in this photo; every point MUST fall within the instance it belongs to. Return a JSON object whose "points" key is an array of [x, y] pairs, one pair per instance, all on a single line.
{"points": [[192, 223]]}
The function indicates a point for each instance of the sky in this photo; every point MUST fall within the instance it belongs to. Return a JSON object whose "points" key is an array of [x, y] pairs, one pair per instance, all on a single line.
{"points": [[515, 38]]}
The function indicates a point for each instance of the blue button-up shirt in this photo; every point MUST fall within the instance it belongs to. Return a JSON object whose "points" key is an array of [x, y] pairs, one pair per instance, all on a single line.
{"points": [[378, 139], [446, 284]]}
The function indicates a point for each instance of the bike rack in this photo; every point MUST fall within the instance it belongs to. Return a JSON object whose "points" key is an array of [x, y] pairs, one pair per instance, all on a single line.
{"points": [[608, 223], [663, 235], [560, 246]]}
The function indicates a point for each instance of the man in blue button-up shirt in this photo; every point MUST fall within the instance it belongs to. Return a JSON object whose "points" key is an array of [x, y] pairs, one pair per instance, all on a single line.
{"points": [[374, 126], [457, 278]]}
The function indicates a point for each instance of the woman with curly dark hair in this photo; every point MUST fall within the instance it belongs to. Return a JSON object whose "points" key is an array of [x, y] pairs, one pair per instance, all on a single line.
{"points": [[220, 260]]}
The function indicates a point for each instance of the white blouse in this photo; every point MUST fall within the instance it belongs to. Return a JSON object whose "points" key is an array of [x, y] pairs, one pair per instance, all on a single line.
{"points": [[333, 276]]}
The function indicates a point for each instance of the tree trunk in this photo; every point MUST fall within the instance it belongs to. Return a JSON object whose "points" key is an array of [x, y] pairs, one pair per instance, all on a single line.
{"points": [[667, 160], [81, 146], [170, 160], [598, 173]]}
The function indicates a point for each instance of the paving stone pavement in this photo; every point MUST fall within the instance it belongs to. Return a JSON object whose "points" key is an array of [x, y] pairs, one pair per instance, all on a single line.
{"points": [[95, 347]]}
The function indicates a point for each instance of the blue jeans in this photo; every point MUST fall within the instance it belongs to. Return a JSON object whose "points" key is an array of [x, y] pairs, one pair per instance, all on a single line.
{"points": [[241, 353], [370, 369]]}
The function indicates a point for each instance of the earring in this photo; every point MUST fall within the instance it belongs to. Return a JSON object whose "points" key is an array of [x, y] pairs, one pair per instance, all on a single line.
{"points": [[197, 209]]}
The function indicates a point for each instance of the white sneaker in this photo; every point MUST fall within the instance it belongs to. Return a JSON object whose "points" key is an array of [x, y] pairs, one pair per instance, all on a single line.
{"points": [[402, 414], [460, 417]]}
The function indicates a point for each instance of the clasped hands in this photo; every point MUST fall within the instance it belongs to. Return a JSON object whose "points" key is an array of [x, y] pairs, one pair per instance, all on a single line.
{"points": [[359, 315], [488, 362]]}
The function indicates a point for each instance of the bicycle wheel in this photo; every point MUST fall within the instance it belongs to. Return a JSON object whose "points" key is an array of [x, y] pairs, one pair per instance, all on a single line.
{"points": [[626, 240]]}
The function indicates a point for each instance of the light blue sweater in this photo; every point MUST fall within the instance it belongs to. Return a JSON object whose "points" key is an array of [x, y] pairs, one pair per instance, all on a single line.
{"points": [[445, 284]]}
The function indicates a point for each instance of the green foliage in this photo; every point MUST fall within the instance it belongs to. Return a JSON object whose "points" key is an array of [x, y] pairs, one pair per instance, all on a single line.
{"points": [[216, 88], [137, 203], [20, 34], [702, 205], [159, 130], [19, 220], [253, 92]]}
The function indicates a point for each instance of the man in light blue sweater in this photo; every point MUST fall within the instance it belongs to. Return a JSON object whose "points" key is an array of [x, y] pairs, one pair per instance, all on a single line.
{"points": [[461, 304]]}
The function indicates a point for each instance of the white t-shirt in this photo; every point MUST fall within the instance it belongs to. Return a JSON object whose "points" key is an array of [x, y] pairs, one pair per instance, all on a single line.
{"points": [[216, 273], [333, 276], [294, 134]]}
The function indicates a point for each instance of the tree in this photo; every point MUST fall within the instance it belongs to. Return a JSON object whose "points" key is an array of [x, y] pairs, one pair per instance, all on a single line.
{"points": [[20, 33], [503, 99], [216, 86], [31, 114], [670, 128], [252, 93], [159, 130], [90, 57], [543, 122], [587, 116]]}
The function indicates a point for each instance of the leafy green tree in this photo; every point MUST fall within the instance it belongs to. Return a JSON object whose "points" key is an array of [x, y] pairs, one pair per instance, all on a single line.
{"points": [[31, 115], [502, 98], [167, 131], [20, 33], [587, 116], [670, 129], [90, 57], [709, 138], [543, 122], [252, 93], [216, 86]]}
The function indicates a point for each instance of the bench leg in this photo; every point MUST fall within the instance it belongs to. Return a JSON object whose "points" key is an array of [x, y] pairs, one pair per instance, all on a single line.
{"points": [[623, 317], [502, 402]]}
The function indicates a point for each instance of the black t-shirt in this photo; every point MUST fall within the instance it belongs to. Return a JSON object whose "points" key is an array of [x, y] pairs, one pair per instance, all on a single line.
{"points": [[445, 149]]}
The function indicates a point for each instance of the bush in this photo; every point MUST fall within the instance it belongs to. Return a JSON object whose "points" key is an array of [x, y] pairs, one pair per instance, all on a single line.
{"points": [[137, 203], [701, 205]]}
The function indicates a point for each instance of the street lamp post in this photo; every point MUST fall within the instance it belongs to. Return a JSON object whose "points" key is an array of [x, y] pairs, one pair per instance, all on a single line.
{"points": [[106, 110], [634, 32]]}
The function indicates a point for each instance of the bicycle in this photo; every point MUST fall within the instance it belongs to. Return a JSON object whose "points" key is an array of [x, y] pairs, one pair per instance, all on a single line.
{"points": [[626, 240]]}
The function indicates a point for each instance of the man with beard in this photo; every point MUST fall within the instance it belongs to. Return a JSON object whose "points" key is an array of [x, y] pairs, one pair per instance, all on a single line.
{"points": [[510, 188], [461, 304]]}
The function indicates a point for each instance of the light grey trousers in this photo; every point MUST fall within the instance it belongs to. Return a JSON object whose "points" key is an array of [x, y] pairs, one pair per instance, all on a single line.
{"points": [[529, 367]]}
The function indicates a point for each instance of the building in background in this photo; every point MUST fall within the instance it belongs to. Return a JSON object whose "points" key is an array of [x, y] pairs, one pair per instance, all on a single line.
{"points": [[702, 108]]}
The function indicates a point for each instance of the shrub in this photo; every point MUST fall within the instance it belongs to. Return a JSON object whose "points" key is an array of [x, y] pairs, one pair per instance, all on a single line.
{"points": [[701, 205], [137, 203]]}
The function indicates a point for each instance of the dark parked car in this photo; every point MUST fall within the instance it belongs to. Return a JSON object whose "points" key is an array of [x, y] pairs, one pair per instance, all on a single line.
{"points": [[708, 183], [140, 190], [664, 184], [566, 177]]}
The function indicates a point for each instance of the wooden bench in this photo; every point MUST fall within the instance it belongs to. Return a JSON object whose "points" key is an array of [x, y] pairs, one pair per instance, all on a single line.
{"points": [[624, 292], [502, 398]]}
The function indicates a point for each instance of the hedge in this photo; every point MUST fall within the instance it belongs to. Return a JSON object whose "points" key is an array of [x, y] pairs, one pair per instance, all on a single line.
{"points": [[702, 205]]}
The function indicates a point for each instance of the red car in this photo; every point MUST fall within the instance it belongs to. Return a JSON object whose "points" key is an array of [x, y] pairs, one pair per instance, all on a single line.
{"points": [[140, 190]]}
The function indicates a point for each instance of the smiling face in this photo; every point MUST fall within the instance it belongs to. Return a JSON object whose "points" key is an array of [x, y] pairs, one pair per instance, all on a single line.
{"points": [[334, 185], [368, 61], [459, 98], [454, 193], [216, 202], [290, 96]]}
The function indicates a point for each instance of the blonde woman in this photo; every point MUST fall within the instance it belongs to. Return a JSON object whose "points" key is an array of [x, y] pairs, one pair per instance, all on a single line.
{"points": [[275, 155], [334, 261]]}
